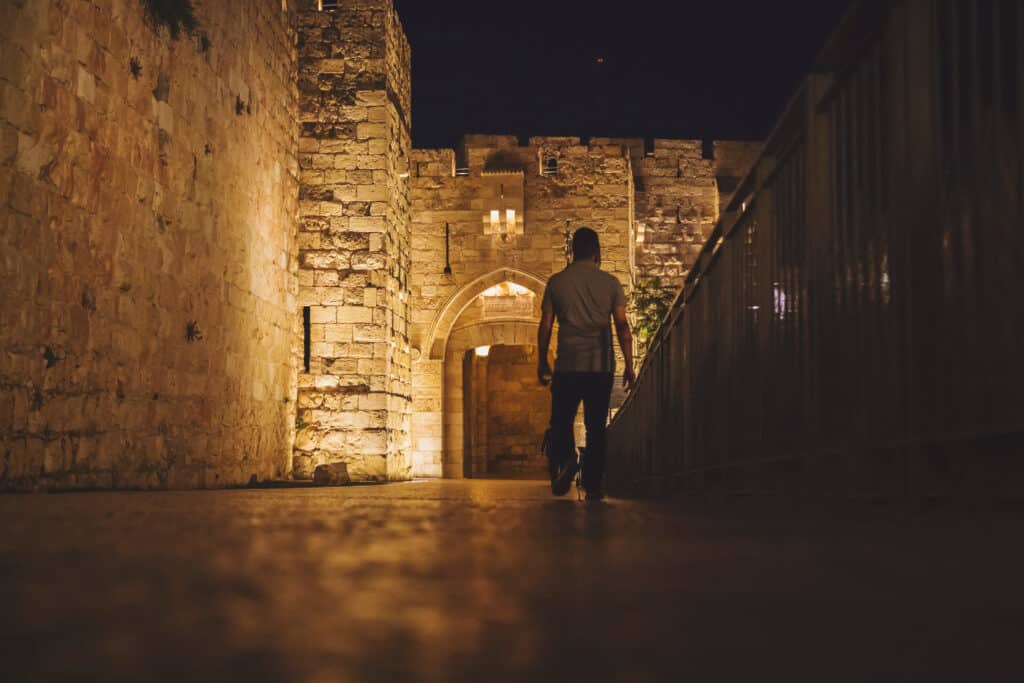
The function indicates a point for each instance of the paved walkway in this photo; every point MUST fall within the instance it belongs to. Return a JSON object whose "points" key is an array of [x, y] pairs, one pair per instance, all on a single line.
{"points": [[496, 581]]}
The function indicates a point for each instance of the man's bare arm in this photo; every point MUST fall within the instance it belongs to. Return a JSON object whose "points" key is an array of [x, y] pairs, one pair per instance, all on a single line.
{"points": [[625, 336], [547, 323]]}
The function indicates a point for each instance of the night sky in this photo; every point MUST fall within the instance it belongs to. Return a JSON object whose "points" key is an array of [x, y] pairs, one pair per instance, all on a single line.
{"points": [[677, 69]]}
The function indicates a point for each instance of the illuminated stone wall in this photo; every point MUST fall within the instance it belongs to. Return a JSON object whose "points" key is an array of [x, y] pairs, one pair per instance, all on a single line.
{"points": [[592, 186], [652, 210], [518, 411], [681, 187], [354, 101], [147, 202], [676, 206], [174, 210]]}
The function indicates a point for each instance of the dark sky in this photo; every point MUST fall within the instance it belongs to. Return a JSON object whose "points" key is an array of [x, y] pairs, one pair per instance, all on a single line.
{"points": [[672, 68]]}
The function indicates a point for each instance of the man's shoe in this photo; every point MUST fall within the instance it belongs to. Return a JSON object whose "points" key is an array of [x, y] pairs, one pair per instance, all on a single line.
{"points": [[562, 481]]}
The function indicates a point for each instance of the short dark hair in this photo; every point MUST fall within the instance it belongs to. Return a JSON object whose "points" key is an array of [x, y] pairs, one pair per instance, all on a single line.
{"points": [[585, 244]]}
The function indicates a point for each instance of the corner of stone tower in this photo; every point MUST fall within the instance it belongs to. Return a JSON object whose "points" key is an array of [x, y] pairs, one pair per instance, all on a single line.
{"points": [[354, 392]]}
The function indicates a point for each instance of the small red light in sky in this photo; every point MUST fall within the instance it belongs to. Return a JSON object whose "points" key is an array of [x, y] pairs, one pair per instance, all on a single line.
{"points": [[600, 60]]}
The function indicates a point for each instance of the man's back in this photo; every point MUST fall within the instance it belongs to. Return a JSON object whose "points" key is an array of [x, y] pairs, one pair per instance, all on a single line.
{"points": [[582, 298]]}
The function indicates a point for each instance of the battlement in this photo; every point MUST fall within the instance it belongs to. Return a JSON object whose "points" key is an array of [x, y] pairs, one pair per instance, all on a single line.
{"points": [[476, 154]]}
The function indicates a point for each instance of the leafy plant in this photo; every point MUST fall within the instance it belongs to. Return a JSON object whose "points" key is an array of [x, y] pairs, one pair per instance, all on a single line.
{"points": [[649, 304], [174, 15]]}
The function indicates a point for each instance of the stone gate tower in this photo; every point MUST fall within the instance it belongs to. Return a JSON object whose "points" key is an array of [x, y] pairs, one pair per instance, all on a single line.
{"points": [[354, 105]]}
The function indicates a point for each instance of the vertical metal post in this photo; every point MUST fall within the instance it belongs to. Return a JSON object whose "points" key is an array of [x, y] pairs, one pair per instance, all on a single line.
{"points": [[306, 336], [447, 250]]}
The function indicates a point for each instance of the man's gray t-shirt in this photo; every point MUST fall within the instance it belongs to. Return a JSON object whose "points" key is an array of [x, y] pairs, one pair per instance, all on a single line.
{"points": [[582, 298]]}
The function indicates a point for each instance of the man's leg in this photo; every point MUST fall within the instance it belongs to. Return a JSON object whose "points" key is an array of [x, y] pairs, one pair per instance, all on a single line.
{"points": [[597, 396], [565, 401]]}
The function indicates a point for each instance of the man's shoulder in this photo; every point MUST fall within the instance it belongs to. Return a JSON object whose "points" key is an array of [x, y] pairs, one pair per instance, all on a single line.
{"points": [[555, 280]]}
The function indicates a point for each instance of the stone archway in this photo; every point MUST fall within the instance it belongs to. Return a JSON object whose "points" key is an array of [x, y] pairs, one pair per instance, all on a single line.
{"points": [[433, 343], [462, 324], [512, 332]]}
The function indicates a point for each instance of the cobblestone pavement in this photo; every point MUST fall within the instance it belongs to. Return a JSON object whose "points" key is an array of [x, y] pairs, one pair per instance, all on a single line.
{"points": [[496, 581]]}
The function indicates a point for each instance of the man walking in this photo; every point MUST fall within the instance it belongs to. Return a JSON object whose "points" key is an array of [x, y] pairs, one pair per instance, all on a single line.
{"points": [[583, 298]]}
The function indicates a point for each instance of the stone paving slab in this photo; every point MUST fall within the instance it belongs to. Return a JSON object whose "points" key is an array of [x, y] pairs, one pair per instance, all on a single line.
{"points": [[497, 581]]}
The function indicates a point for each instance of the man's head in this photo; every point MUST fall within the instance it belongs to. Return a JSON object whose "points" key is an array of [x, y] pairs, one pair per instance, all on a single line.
{"points": [[586, 246]]}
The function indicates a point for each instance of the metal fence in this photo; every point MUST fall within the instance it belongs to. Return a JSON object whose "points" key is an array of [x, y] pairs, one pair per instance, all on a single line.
{"points": [[858, 315]]}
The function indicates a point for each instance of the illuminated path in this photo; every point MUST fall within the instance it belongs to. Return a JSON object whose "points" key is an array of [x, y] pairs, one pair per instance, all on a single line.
{"points": [[496, 581]]}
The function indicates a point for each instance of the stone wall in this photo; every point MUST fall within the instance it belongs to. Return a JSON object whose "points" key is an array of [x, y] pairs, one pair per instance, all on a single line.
{"points": [[592, 186], [653, 211], [221, 254], [681, 188], [676, 208], [518, 410], [147, 203], [354, 101]]}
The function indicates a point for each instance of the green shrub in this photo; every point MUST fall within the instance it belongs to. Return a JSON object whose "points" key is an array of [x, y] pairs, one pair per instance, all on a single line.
{"points": [[649, 304]]}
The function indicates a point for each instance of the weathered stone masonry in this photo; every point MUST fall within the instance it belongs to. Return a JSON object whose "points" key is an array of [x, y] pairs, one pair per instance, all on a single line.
{"points": [[147, 234], [592, 186], [553, 185], [680, 187], [183, 219], [354, 108]]}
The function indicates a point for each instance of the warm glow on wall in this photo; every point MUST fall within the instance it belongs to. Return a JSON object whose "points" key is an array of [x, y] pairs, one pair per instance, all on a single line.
{"points": [[496, 220], [507, 289], [483, 351]]}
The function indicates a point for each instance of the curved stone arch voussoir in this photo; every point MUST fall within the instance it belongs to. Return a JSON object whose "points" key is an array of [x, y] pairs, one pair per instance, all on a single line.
{"points": [[437, 338], [510, 332]]}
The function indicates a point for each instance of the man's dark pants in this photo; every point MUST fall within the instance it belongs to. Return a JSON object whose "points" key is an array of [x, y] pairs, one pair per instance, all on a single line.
{"points": [[567, 390]]}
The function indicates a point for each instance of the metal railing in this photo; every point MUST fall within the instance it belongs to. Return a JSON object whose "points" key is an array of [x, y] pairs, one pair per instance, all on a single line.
{"points": [[857, 315]]}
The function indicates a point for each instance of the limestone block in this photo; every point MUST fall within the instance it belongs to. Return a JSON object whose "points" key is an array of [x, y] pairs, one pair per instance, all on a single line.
{"points": [[309, 240], [370, 442], [326, 382], [324, 314], [367, 260], [339, 333], [370, 467], [346, 240], [354, 314], [372, 224], [320, 279], [324, 260], [361, 350], [372, 193]]}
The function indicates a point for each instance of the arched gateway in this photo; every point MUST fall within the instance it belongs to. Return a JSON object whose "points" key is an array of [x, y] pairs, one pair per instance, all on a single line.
{"points": [[479, 413], [486, 236], [449, 254]]}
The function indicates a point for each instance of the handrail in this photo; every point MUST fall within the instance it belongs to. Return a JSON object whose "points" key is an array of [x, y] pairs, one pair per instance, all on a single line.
{"points": [[842, 314]]}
